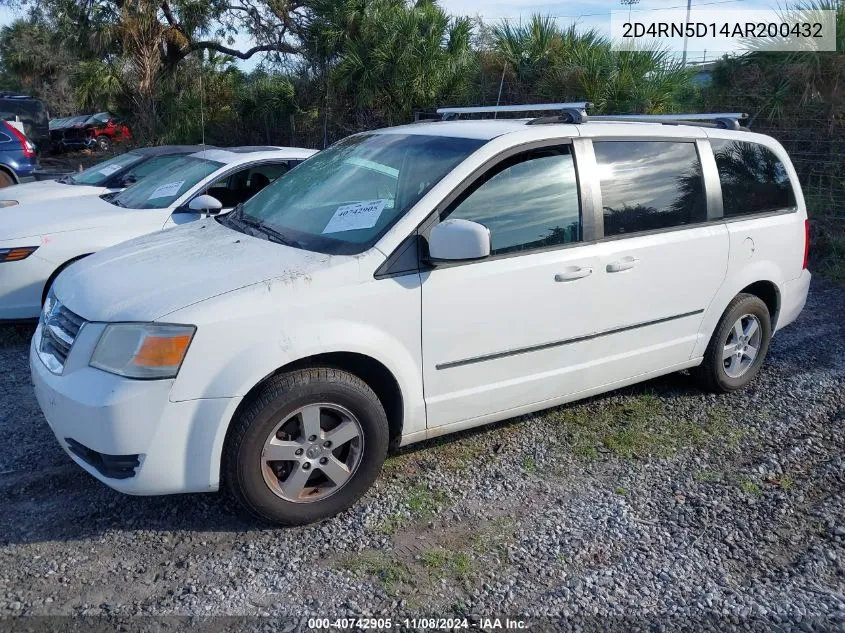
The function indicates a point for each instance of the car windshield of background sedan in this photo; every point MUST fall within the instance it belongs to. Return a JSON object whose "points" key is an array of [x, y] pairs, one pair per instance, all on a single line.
{"points": [[162, 187], [97, 175], [346, 197]]}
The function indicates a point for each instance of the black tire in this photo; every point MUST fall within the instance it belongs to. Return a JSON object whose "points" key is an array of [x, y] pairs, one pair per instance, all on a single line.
{"points": [[279, 397], [103, 143], [712, 374], [5, 179]]}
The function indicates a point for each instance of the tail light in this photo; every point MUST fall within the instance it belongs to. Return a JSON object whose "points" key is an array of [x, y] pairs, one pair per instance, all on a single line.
{"points": [[806, 242], [28, 148]]}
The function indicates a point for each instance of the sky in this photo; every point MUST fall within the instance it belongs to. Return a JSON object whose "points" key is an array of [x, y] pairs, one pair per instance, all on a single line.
{"points": [[587, 13]]}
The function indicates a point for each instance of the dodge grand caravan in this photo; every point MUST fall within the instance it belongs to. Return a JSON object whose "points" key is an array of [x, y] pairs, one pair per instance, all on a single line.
{"points": [[413, 281]]}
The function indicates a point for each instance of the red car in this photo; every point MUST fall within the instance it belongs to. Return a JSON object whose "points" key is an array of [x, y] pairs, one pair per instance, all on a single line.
{"points": [[88, 130], [106, 129]]}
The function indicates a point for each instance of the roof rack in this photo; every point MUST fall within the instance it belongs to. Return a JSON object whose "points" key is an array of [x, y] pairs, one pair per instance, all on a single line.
{"points": [[577, 113], [724, 120], [567, 112]]}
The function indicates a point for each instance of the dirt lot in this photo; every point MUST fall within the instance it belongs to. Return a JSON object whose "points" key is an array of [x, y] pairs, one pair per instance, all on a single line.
{"points": [[656, 500]]}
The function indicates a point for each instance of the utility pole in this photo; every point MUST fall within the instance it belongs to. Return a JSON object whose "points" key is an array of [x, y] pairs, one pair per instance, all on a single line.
{"points": [[629, 4], [689, 8]]}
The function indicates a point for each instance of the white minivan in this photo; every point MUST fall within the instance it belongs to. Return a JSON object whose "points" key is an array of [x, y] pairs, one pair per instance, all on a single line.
{"points": [[414, 281]]}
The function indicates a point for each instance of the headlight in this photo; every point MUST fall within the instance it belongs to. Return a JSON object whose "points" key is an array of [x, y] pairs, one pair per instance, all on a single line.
{"points": [[16, 254], [142, 350], [8, 203]]}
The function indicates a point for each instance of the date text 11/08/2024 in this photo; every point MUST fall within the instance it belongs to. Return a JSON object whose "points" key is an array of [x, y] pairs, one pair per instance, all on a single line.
{"points": [[377, 624]]}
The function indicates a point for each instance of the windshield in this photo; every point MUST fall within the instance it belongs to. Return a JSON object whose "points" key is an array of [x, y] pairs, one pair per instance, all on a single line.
{"points": [[101, 172], [343, 199], [164, 186]]}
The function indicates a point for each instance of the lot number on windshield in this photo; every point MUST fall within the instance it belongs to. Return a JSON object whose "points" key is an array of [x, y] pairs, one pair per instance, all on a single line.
{"points": [[361, 215]]}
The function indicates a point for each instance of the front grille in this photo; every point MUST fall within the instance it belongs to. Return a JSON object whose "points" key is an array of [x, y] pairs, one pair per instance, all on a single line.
{"points": [[59, 329], [112, 466]]}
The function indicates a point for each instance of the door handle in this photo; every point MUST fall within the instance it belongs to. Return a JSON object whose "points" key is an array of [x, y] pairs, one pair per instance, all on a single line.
{"points": [[573, 272], [626, 263]]}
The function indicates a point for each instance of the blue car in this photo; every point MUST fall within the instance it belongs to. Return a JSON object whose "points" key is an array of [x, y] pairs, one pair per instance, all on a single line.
{"points": [[17, 156], [18, 148]]}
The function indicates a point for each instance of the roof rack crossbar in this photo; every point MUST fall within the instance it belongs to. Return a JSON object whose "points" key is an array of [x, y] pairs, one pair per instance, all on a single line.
{"points": [[576, 112], [452, 113], [726, 120]]}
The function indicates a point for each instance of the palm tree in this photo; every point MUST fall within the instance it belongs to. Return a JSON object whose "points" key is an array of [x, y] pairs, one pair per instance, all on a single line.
{"points": [[647, 80], [388, 56]]}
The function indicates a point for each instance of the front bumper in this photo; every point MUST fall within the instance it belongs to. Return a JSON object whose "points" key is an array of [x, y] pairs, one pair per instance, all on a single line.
{"points": [[21, 287], [176, 445]]}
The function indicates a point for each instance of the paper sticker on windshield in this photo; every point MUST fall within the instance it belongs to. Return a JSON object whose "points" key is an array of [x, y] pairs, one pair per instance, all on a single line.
{"points": [[361, 215], [109, 170], [167, 190]]}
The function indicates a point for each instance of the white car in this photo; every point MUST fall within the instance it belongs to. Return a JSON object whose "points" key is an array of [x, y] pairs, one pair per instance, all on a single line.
{"points": [[415, 281], [108, 176], [39, 240]]}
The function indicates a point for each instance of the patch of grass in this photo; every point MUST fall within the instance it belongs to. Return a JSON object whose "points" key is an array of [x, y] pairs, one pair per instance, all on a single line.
{"points": [[718, 426], [447, 563], [587, 452], [386, 570], [639, 427], [457, 455], [620, 491], [529, 464], [395, 465], [786, 483], [625, 429], [494, 537], [707, 476], [750, 487], [391, 524], [423, 502]]}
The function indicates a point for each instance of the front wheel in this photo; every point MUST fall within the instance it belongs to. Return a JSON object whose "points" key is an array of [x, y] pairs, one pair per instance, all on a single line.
{"points": [[306, 446], [738, 346]]}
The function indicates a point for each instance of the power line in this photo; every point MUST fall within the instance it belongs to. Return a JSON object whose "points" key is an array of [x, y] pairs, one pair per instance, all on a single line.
{"points": [[590, 15]]}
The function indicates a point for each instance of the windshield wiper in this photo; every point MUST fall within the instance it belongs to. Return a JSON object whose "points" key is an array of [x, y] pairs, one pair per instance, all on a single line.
{"points": [[238, 215]]}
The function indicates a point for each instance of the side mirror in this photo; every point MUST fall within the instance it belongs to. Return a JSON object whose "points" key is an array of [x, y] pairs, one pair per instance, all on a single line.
{"points": [[458, 240], [205, 204]]}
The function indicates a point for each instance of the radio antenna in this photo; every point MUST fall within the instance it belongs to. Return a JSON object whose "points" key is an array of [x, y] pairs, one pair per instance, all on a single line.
{"points": [[202, 99]]}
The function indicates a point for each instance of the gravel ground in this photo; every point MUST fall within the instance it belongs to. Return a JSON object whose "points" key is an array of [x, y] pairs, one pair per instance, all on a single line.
{"points": [[657, 500]]}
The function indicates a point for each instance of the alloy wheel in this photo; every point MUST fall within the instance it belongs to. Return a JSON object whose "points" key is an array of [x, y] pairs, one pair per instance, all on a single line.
{"points": [[312, 453], [742, 345]]}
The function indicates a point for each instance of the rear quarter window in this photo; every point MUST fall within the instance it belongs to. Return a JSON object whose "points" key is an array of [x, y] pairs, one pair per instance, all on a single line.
{"points": [[649, 185], [753, 178]]}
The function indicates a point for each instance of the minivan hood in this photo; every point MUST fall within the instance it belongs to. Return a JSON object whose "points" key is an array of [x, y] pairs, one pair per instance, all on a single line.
{"points": [[149, 277], [57, 216], [45, 190]]}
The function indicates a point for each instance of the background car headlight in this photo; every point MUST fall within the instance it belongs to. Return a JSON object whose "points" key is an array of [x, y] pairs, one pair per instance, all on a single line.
{"points": [[8, 203], [16, 254], [142, 350]]}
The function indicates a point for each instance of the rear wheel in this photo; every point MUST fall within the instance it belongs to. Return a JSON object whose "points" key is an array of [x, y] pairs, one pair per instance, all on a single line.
{"points": [[738, 346], [103, 143], [306, 446], [6, 180]]}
